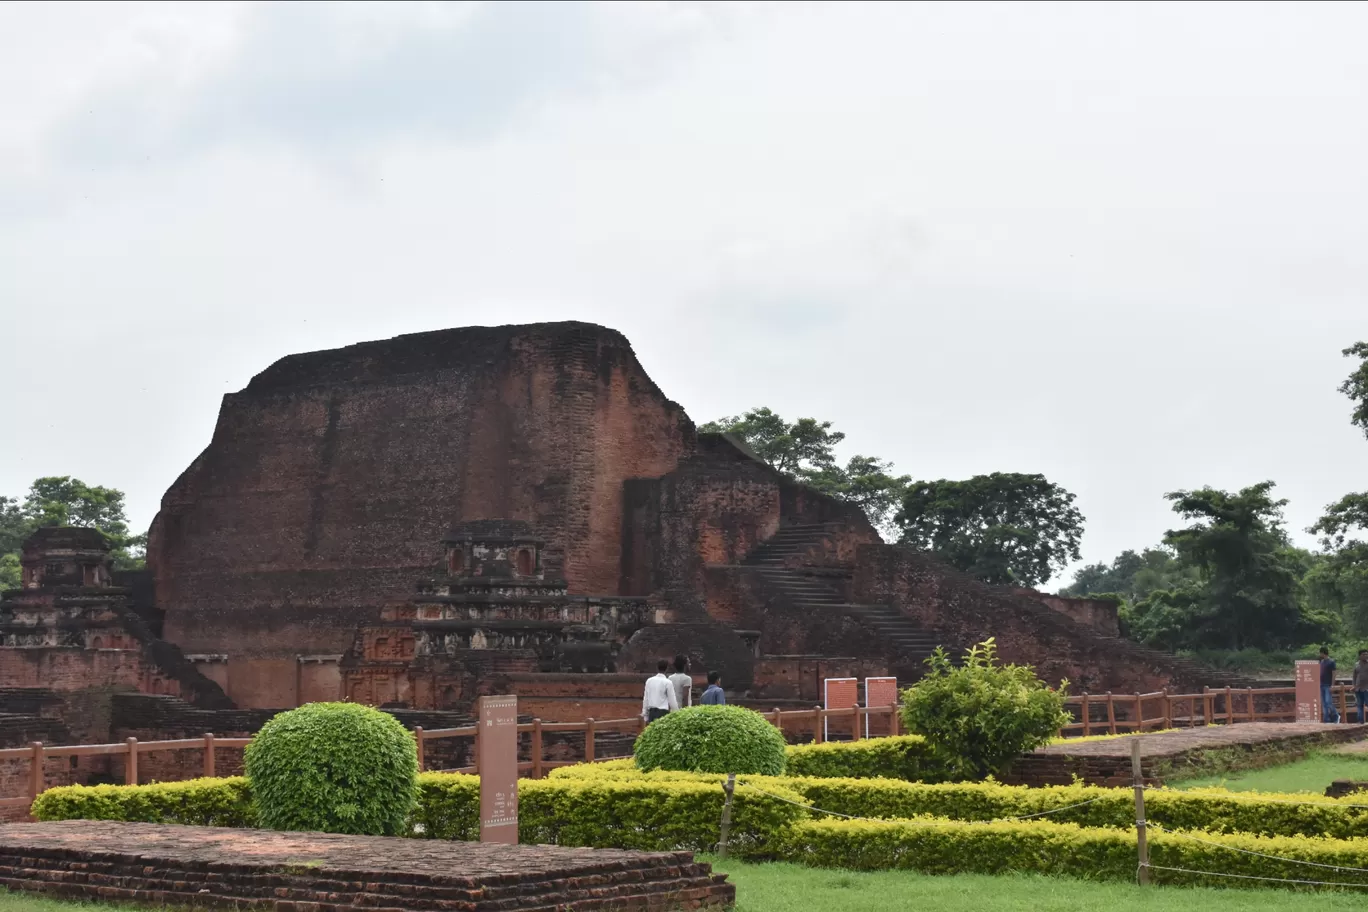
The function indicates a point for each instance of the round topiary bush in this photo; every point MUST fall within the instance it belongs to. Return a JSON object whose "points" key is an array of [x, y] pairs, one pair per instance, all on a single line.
{"points": [[334, 768], [712, 739]]}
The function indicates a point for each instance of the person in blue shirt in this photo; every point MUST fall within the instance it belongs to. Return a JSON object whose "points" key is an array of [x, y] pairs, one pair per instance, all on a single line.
{"points": [[1327, 670], [714, 696]]}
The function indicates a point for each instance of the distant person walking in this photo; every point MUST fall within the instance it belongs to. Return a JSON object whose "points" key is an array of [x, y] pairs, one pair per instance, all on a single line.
{"points": [[659, 698], [682, 682], [1327, 670], [1361, 683], [714, 696]]}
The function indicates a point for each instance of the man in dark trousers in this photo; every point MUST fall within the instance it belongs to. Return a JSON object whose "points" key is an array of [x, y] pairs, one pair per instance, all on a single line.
{"points": [[1327, 670], [1361, 683], [659, 697]]}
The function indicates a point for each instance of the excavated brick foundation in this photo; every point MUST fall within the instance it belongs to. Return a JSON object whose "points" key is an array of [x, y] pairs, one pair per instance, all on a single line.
{"points": [[155, 865]]}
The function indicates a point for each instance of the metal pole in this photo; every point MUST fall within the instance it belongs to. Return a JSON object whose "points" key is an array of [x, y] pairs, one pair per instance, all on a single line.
{"points": [[1141, 842], [730, 788]]}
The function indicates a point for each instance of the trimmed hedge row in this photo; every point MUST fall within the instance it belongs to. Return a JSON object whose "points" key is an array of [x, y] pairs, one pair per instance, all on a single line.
{"points": [[195, 802], [901, 757], [647, 815], [1091, 853], [1212, 810]]}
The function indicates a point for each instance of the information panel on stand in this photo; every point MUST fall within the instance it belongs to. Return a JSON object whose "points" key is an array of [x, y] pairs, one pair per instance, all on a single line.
{"points": [[839, 693], [1308, 691], [497, 757], [879, 693]]}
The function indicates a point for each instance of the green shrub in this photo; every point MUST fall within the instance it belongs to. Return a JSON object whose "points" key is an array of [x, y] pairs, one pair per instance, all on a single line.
{"points": [[934, 846], [1214, 810], [649, 813], [904, 757], [981, 716], [334, 768], [197, 802], [712, 739]]}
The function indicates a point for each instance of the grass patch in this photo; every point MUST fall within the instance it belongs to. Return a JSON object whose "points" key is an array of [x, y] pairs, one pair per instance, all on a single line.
{"points": [[791, 888], [27, 902], [1310, 774]]}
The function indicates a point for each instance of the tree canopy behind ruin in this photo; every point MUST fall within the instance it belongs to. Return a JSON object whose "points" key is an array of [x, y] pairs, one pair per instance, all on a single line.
{"points": [[65, 501]]}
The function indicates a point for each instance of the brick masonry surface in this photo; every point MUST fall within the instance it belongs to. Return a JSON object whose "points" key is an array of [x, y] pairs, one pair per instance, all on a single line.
{"points": [[315, 872], [1108, 761]]}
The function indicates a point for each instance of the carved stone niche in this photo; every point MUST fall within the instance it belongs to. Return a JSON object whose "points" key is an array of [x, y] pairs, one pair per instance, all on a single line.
{"points": [[494, 548]]}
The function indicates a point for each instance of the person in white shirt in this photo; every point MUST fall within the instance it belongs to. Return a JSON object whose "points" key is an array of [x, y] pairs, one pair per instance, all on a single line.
{"points": [[659, 697], [682, 681]]}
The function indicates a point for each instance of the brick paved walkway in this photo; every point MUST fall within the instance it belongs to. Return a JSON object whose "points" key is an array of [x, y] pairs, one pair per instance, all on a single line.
{"points": [[1163, 744], [313, 872]]}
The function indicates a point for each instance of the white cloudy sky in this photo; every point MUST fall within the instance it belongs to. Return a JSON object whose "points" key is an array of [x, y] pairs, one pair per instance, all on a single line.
{"points": [[1119, 244]]}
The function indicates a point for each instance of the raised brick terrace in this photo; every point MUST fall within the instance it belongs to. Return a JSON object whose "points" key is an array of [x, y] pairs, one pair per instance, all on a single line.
{"points": [[154, 865]]}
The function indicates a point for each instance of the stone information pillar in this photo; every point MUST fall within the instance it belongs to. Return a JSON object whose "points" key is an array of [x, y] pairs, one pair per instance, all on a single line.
{"points": [[1308, 691], [841, 693], [497, 758]]}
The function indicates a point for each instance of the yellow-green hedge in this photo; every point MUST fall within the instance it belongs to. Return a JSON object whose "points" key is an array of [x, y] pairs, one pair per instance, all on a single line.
{"points": [[902, 757], [1214, 810], [1093, 853], [196, 802], [655, 815], [651, 814]]}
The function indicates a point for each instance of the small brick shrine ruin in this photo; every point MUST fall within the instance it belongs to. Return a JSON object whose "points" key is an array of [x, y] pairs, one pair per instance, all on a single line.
{"points": [[415, 522]]}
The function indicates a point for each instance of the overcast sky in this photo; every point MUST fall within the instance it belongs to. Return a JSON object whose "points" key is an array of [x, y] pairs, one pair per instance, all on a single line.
{"points": [[1121, 245]]}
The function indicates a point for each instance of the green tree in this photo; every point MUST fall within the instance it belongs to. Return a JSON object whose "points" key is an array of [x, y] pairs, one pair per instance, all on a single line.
{"points": [[1340, 580], [981, 716], [66, 501], [804, 451], [1356, 386], [1002, 528], [1132, 576], [1248, 593]]}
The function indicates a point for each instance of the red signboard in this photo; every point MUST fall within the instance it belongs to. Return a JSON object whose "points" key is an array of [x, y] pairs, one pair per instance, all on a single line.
{"points": [[1308, 691], [879, 693], [840, 693], [497, 759]]}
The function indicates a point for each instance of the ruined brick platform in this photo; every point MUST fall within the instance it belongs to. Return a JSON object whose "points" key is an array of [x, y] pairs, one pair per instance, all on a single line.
{"points": [[1108, 761], [156, 865]]}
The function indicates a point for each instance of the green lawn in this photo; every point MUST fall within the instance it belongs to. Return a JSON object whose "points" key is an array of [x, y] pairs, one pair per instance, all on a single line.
{"points": [[789, 888], [1310, 775]]}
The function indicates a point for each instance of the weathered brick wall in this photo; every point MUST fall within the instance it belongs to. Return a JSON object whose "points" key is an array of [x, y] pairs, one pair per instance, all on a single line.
{"points": [[1099, 615], [332, 476], [1026, 631]]}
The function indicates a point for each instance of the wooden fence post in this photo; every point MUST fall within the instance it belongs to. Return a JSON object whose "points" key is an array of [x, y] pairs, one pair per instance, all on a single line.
{"points": [[1206, 706], [422, 751], [1087, 718], [131, 764], [1141, 842], [821, 729], [855, 724], [1111, 714], [209, 768], [588, 740], [1249, 704], [36, 770], [1139, 714], [893, 721], [730, 788], [536, 749], [1168, 708], [1230, 706]]}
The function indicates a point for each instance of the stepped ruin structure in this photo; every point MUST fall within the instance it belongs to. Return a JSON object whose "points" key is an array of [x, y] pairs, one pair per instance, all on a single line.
{"points": [[415, 522]]}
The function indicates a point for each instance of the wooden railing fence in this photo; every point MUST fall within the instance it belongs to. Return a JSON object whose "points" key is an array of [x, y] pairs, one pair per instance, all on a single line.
{"points": [[38, 753], [1112, 714]]}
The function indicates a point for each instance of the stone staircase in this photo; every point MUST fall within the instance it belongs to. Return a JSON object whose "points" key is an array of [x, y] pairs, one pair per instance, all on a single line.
{"points": [[806, 589]]}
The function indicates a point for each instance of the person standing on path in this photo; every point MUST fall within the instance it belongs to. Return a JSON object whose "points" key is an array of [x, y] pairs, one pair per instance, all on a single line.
{"points": [[659, 698], [714, 696], [1327, 670], [1361, 683], [682, 682]]}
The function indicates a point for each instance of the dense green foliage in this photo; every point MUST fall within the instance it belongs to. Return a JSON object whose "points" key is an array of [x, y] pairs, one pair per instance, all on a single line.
{"points": [[196, 802], [334, 768], [712, 739], [939, 847], [1001, 528], [65, 501], [981, 716], [804, 451], [907, 757]]}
